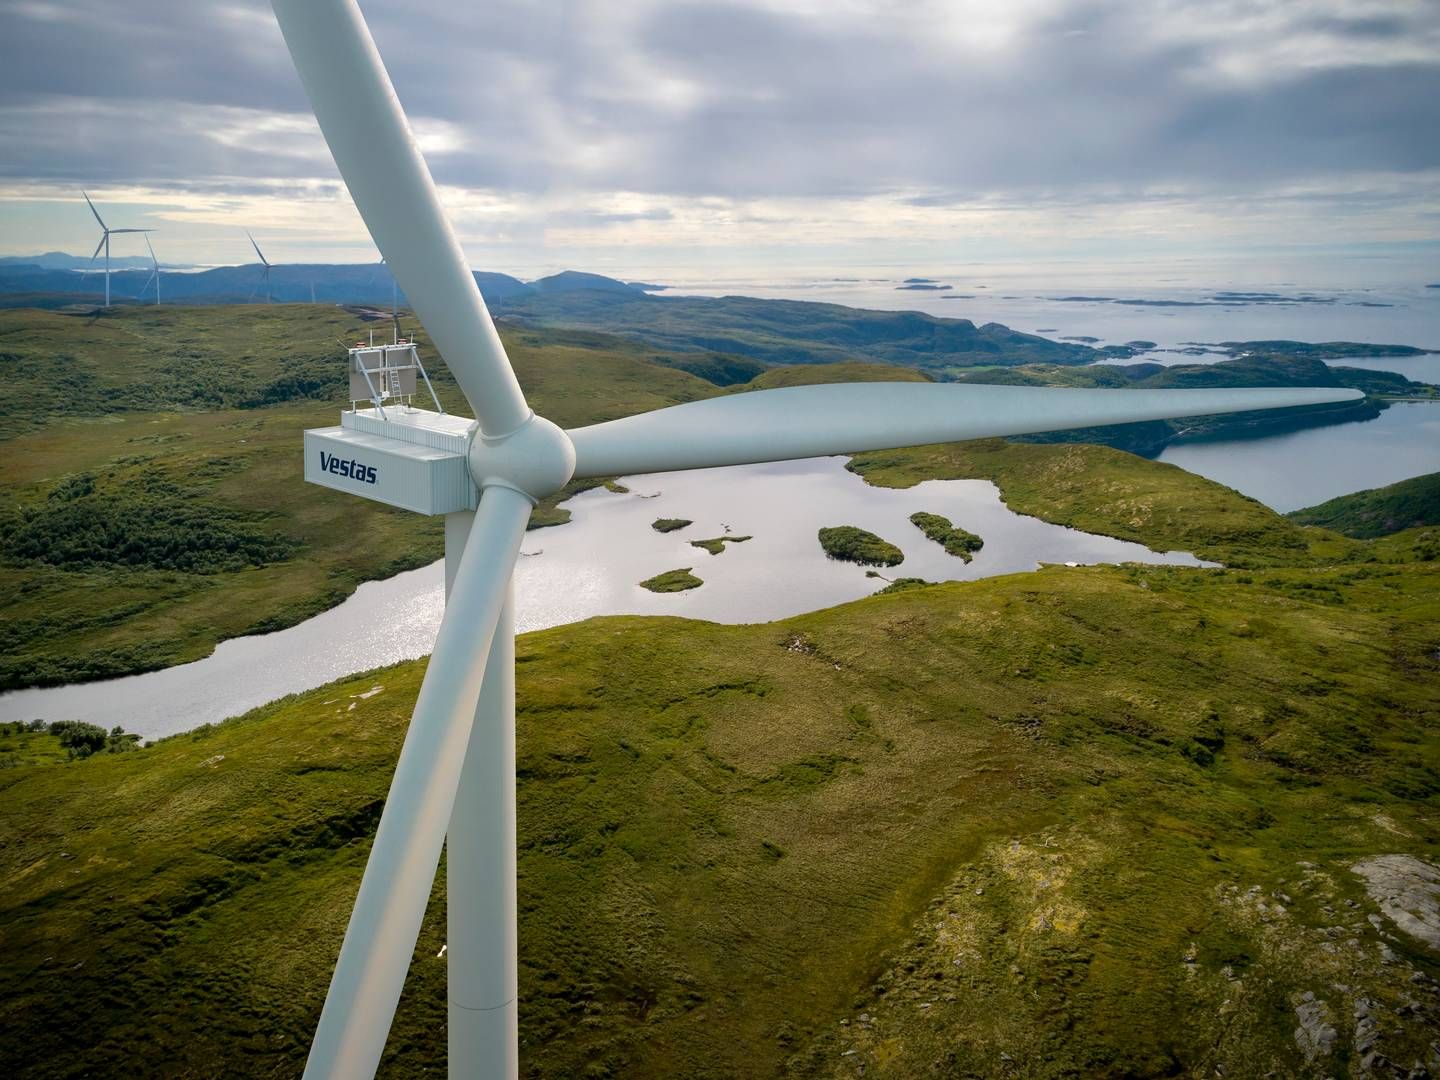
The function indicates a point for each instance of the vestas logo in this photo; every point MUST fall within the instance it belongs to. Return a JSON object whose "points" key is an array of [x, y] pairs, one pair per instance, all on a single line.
{"points": [[347, 467]]}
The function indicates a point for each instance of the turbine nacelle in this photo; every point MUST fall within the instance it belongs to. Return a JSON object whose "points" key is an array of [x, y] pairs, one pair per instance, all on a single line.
{"points": [[435, 463]]}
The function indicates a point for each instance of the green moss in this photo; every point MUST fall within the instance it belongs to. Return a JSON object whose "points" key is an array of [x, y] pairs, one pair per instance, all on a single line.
{"points": [[672, 581], [955, 540], [716, 544], [665, 525], [851, 544]]}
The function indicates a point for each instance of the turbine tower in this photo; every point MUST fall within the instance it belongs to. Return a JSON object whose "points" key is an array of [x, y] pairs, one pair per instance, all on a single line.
{"points": [[265, 268], [454, 783], [105, 233]]}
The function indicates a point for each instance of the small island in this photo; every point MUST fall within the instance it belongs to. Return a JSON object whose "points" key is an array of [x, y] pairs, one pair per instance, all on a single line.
{"points": [[672, 581], [851, 544], [955, 540], [716, 544], [665, 525]]}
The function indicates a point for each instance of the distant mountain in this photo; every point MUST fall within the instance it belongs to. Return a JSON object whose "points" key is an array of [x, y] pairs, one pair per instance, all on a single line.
{"points": [[765, 331], [59, 260], [793, 331], [329, 283], [577, 280]]}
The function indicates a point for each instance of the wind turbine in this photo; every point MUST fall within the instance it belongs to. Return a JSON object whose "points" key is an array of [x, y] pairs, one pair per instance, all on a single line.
{"points": [[105, 232], [455, 779], [264, 263], [154, 274]]}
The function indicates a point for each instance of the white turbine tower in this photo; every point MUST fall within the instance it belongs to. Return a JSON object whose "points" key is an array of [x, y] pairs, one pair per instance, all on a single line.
{"points": [[265, 267], [105, 234], [456, 771]]}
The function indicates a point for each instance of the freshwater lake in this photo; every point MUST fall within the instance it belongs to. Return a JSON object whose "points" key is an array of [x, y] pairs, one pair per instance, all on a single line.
{"points": [[593, 566], [562, 577]]}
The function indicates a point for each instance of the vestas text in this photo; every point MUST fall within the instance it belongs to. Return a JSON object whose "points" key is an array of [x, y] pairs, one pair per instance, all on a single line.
{"points": [[347, 467]]}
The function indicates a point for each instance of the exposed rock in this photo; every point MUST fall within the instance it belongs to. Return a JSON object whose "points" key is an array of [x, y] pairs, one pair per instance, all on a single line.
{"points": [[1407, 890], [1315, 1035]]}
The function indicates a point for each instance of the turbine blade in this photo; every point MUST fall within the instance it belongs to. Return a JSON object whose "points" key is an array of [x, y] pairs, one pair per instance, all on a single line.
{"points": [[841, 418], [114, 231], [152, 254], [98, 246], [93, 210], [257, 248], [385, 922], [376, 152]]}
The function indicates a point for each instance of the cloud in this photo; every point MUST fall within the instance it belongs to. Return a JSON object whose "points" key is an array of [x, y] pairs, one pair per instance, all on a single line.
{"points": [[618, 116]]}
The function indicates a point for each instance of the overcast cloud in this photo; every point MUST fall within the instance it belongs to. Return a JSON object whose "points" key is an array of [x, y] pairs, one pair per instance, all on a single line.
{"points": [[602, 126]]}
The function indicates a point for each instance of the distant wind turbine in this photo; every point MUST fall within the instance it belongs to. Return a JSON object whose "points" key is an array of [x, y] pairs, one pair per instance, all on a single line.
{"points": [[265, 263], [105, 232], [154, 273], [454, 783]]}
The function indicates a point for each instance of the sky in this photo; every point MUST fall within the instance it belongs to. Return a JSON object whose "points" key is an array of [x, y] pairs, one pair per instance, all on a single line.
{"points": [[645, 137]]}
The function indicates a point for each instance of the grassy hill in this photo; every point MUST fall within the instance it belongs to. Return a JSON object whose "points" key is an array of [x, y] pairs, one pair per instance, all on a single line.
{"points": [[793, 331], [1379, 511], [1093, 822], [170, 437]]}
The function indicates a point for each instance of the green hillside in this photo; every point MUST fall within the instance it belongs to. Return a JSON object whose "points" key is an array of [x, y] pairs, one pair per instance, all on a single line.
{"points": [[793, 331], [1106, 821], [1096, 822], [169, 439], [1379, 511]]}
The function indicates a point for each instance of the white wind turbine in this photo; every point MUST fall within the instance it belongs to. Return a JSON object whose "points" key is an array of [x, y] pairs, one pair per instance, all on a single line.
{"points": [[265, 267], [456, 770], [105, 233]]}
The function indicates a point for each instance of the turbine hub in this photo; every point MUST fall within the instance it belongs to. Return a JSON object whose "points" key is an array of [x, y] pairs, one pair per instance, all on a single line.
{"points": [[536, 459]]}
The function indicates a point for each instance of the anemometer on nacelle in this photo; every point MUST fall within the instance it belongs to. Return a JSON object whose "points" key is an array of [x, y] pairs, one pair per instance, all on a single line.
{"points": [[387, 448]]}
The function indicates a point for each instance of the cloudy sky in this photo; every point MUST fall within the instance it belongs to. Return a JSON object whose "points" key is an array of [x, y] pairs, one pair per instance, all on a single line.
{"points": [[634, 136]]}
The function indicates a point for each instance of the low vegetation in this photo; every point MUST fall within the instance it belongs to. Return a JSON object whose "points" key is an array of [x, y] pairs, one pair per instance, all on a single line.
{"points": [[955, 540], [850, 544], [904, 584], [151, 500], [38, 742], [1379, 511], [1099, 821], [672, 581], [666, 525], [716, 544]]}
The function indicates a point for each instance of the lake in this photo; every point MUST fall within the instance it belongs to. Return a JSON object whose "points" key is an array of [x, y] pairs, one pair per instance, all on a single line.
{"points": [[593, 566], [1302, 468]]}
